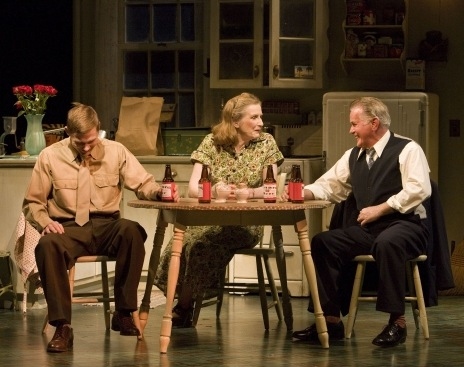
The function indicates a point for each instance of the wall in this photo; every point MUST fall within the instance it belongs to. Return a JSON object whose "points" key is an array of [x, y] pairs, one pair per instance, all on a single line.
{"points": [[95, 50], [442, 78], [36, 48]]}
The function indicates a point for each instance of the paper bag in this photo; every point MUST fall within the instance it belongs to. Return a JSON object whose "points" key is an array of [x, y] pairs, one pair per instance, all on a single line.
{"points": [[138, 127]]}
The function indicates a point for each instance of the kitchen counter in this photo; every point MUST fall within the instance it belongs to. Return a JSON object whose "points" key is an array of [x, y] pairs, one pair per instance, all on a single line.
{"points": [[12, 161]]}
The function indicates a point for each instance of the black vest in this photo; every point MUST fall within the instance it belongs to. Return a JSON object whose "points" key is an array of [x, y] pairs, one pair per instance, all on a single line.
{"points": [[374, 186]]}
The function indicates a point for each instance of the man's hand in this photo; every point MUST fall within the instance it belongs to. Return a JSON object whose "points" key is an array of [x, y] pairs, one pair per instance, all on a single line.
{"points": [[372, 213], [53, 227], [175, 193]]}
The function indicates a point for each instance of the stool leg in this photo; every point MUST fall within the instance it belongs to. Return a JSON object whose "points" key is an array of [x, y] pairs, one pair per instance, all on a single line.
{"points": [[412, 293], [420, 300], [220, 296], [106, 293], [272, 286], [262, 292], [357, 289], [197, 309]]}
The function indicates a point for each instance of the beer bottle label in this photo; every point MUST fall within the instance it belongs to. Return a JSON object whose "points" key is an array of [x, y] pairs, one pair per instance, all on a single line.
{"points": [[270, 192], [166, 191]]}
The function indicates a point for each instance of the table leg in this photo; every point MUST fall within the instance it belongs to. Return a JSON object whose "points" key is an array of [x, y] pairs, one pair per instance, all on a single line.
{"points": [[173, 275], [141, 318], [302, 229], [282, 269]]}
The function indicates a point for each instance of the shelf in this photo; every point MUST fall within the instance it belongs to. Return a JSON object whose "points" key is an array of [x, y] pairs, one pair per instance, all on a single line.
{"points": [[374, 26], [379, 42], [283, 118], [345, 62]]}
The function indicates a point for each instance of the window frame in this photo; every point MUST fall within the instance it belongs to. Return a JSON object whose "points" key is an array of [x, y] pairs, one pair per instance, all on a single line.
{"points": [[177, 47]]}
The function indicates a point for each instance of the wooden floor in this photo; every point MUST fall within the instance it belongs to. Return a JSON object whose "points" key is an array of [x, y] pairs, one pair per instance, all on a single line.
{"points": [[236, 339]]}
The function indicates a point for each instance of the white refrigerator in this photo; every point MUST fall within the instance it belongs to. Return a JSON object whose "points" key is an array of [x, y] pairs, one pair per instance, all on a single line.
{"points": [[413, 114]]}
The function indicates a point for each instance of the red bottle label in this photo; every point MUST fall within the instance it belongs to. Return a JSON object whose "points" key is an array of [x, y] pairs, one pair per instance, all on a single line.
{"points": [[204, 192], [166, 191], [298, 192]]}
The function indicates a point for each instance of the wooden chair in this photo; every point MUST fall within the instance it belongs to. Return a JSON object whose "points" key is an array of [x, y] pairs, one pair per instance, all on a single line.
{"points": [[98, 296], [416, 297], [262, 255]]}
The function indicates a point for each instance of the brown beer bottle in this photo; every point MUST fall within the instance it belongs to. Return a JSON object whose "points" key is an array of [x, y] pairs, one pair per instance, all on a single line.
{"points": [[167, 185], [270, 186], [298, 187], [291, 183], [204, 186]]}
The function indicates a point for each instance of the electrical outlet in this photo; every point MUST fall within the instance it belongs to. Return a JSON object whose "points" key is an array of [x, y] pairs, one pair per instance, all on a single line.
{"points": [[454, 128]]}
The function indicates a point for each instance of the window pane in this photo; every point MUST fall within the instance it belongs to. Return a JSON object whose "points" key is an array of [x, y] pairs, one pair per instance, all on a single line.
{"points": [[187, 23], [164, 23], [297, 18], [237, 61], [186, 109], [137, 23], [236, 21], [296, 54], [163, 68], [171, 99], [135, 70], [186, 69]]}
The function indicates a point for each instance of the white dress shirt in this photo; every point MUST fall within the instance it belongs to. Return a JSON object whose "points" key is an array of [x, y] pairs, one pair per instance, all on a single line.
{"points": [[335, 184]]}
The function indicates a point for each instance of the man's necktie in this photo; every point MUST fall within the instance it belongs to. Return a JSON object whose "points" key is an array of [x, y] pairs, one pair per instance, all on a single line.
{"points": [[83, 194], [370, 157]]}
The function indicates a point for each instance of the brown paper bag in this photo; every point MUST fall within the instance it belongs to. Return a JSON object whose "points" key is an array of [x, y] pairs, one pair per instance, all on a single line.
{"points": [[138, 127]]}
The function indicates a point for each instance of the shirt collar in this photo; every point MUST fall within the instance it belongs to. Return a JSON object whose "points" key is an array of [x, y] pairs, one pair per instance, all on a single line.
{"points": [[96, 154], [380, 145]]}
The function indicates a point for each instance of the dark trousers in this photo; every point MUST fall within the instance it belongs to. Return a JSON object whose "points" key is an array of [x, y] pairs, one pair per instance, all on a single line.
{"points": [[334, 250], [56, 253]]}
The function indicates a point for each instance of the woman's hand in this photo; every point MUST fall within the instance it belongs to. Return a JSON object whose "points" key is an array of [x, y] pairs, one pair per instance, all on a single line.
{"points": [[283, 197]]}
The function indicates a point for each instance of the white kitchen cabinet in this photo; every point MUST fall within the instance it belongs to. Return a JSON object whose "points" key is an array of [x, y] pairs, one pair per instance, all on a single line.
{"points": [[262, 43]]}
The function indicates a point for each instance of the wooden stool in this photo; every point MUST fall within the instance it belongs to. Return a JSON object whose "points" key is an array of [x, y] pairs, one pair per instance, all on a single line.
{"points": [[416, 296]]}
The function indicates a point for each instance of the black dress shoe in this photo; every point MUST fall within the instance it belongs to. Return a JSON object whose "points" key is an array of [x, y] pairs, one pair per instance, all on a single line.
{"points": [[62, 340], [335, 331], [124, 324], [390, 336], [181, 317]]}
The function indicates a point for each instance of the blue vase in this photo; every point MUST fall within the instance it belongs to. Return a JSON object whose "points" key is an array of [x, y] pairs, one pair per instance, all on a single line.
{"points": [[35, 138]]}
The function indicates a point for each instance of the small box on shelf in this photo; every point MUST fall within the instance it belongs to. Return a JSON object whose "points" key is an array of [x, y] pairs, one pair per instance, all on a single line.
{"points": [[415, 74]]}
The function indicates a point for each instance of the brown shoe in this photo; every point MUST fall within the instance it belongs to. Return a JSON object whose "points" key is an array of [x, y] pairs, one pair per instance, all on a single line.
{"points": [[62, 341], [124, 324]]}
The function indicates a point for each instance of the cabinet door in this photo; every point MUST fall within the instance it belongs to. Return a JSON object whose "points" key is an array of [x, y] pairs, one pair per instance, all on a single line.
{"points": [[236, 44], [298, 43]]}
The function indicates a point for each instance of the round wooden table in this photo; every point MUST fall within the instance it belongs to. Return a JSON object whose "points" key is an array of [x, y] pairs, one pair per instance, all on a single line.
{"points": [[188, 212]]}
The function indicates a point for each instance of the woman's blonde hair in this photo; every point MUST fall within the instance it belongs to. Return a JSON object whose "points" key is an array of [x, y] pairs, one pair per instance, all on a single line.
{"points": [[81, 119], [225, 133]]}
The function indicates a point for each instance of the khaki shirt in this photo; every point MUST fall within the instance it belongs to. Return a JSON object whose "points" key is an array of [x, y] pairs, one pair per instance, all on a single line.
{"points": [[52, 192]]}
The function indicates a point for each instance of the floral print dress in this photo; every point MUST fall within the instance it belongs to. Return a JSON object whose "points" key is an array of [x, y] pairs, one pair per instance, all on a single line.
{"points": [[208, 249]]}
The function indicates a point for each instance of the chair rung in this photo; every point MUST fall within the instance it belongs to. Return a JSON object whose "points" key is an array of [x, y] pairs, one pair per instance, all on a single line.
{"points": [[88, 294], [92, 300], [271, 304], [367, 299]]}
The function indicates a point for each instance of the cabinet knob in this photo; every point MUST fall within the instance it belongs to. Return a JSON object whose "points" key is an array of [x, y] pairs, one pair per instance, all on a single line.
{"points": [[174, 173], [256, 71], [275, 71]]}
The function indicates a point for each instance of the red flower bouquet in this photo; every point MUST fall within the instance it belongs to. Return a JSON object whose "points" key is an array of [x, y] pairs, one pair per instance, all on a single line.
{"points": [[33, 101]]}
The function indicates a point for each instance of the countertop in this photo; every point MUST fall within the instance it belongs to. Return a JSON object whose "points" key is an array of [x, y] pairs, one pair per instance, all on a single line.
{"points": [[13, 161]]}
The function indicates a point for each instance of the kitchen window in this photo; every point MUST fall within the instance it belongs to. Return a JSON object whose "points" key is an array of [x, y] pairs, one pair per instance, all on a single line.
{"points": [[161, 53]]}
